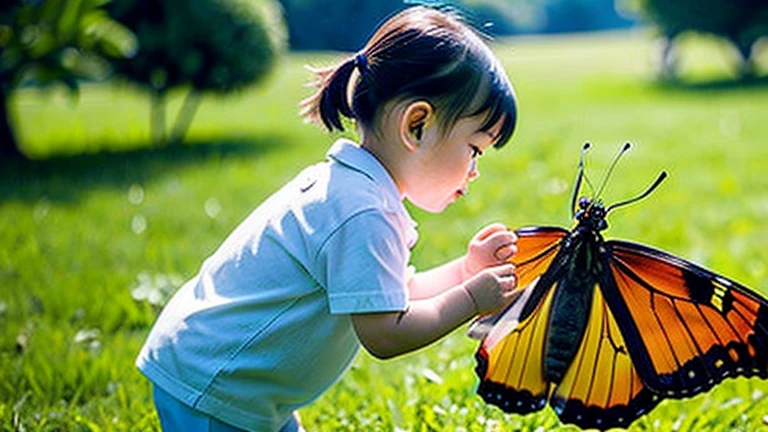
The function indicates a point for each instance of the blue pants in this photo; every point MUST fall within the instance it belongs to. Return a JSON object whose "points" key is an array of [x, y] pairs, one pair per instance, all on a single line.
{"points": [[178, 417]]}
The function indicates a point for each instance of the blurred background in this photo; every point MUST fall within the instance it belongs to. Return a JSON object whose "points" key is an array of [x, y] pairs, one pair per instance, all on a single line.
{"points": [[220, 47], [136, 134]]}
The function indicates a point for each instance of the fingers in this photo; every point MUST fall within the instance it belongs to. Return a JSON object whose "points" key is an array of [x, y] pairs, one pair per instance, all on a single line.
{"points": [[501, 237], [490, 230], [513, 294], [500, 240], [508, 283], [505, 274], [505, 252], [493, 245], [506, 269], [493, 289]]}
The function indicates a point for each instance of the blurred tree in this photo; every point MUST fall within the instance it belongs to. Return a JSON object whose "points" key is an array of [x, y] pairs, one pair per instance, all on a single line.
{"points": [[44, 42], [206, 45], [583, 15], [495, 18], [548, 16], [346, 24], [742, 22], [343, 25]]}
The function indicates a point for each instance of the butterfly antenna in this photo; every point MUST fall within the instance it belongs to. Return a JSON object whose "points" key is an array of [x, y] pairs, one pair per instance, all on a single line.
{"points": [[647, 192], [623, 150], [579, 178], [589, 183]]}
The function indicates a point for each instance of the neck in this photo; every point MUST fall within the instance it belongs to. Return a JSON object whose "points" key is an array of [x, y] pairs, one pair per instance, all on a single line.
{"points": [[385, 152]]}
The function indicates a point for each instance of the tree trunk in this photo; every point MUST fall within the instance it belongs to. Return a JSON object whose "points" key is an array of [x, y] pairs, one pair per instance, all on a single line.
{"points": [[668, 63], [9, 149], [184, 119], [157, 118], [746, 66]]}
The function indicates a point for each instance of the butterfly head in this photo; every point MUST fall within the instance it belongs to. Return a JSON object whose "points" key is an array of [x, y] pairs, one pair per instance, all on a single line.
{"points": [[591, 214]]}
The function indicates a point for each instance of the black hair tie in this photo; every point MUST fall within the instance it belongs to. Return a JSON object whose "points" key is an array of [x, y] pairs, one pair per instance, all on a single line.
{"points": [[361, 62]]}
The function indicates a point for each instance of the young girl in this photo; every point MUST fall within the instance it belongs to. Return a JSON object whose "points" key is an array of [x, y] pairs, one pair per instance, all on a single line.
{"points": [[278, 312]]}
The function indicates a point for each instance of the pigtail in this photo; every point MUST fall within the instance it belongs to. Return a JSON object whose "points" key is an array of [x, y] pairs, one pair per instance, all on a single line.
{"points": [[329, 102]]}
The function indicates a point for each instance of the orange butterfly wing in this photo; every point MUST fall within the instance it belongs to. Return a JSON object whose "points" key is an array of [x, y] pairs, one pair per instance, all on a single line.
{"points": [[686, 327], [511, 371], [601, 388]]}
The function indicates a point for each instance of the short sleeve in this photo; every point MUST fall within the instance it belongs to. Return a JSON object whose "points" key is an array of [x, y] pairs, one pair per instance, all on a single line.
{"points": [[364, 263]]}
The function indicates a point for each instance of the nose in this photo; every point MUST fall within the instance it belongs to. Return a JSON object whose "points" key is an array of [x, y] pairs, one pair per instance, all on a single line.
{"points": [[473, 172]]}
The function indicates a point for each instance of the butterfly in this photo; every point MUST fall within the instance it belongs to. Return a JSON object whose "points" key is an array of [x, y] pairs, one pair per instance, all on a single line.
{"points": [[603, 330]]}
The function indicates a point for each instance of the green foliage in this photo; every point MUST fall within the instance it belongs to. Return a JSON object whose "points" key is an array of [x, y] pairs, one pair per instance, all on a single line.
{"points": [[207, 45], [742, 22], [100, 221], [210, 45], [59, 41], [47, 42]]}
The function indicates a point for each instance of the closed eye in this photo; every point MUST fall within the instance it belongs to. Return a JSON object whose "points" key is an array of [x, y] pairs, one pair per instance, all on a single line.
{"points": [[475, 151]]}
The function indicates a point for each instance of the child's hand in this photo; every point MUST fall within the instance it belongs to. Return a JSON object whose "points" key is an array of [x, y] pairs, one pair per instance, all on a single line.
{"points": [[492, 288], [491, 246]]}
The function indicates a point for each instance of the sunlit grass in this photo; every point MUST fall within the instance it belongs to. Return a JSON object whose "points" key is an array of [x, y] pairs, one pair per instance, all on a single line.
{"points": [[99, 225]]}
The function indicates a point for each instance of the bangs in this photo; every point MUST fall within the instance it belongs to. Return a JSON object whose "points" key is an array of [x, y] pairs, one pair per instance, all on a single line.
{"points": [[499, 104], [483, 90], [480, 93]]}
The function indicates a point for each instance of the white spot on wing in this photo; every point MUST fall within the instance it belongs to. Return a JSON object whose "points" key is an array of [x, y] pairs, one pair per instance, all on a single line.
{"points": [[724, 282], [511, 318]]}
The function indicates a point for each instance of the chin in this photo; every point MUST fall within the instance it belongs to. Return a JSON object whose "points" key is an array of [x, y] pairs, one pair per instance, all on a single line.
{"points": [[433, 208], [432, 204]]}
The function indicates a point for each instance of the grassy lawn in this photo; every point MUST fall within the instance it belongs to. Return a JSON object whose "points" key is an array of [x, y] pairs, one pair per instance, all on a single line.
{"points": [[101, 228]]}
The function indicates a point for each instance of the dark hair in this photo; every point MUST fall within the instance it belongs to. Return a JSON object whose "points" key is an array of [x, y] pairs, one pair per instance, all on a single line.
{"points": [[419, 53]]}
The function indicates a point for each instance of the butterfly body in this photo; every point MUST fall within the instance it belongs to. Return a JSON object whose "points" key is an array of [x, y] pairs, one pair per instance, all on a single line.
{"points": [[571, 302], [574, 282], [605, 329]]}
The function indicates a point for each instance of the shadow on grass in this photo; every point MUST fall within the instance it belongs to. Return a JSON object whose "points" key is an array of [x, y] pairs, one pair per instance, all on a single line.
{"points": [[718, 85], [63, 178]]}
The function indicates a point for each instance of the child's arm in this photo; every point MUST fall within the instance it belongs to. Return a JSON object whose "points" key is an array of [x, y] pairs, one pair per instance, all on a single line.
{"points": [[390, 334], [491, 246]]}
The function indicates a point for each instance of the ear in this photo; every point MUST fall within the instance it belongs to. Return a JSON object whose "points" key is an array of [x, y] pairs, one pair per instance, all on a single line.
{"points": [[416, 117]]}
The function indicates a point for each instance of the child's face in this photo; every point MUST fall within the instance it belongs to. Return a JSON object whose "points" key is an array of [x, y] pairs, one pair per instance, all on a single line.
{"points": [[448, 163]]}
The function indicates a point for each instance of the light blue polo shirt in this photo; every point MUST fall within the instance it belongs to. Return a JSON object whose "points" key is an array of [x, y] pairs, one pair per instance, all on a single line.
{"points": [[264, 328]]}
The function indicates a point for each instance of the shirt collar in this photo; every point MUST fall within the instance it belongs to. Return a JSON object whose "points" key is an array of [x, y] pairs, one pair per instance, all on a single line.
{"points": [[353, 156]]}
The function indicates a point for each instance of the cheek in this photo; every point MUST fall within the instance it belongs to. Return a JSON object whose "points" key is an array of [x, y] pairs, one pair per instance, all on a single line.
{"points": [[451, 164], [465, 166]]}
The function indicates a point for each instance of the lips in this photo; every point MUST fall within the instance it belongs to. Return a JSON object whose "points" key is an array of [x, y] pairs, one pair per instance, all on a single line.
{"points": [[464, 189]]}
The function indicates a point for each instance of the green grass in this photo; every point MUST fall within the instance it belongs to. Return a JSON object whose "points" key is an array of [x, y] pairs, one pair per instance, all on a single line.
{"points": [[98, 215]]}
